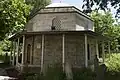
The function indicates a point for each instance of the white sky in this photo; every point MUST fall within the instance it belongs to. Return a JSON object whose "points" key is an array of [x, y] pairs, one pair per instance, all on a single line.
{"points": [[78, 4]]}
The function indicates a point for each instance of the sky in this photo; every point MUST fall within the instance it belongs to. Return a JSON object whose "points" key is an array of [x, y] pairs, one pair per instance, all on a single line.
{"points": [[78, 4]]}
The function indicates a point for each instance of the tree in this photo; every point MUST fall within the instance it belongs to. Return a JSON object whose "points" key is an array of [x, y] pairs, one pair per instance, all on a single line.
{"points": [[105, 25], [13, 14], [37, 5], [102, 4], [102, 22]]}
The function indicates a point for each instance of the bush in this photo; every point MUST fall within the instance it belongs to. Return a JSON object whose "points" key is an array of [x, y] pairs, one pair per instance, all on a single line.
{"points": [[55, 73], [52, 73], [34, 77], [112, 62], [83, 74]]}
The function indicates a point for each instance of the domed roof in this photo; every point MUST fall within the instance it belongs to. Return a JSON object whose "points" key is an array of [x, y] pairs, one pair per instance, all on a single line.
{"points": [[59, 5]]}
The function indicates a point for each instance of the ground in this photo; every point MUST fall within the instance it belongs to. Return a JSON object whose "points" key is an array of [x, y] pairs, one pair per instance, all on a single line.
{"points": [[8, 72]]}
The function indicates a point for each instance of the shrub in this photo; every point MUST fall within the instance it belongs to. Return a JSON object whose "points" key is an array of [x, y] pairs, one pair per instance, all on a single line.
{"points": [[52, 73], [112, 62], [55, 73], [83, 74], [34, 77]]}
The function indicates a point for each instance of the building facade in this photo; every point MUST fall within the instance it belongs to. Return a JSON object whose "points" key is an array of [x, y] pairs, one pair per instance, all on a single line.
{"points": [[56, 34]]}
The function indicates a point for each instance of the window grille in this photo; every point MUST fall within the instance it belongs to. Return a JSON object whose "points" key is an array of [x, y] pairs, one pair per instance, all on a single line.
{"points": [[56, 24]]}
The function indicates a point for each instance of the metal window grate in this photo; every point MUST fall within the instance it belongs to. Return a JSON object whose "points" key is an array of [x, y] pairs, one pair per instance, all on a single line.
{"points": [[56, 24]]}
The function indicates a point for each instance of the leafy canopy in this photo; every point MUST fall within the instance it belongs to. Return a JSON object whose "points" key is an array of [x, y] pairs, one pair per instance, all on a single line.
{"points": [[102, 4], [105, 25], [37, 5], [13, 16]]}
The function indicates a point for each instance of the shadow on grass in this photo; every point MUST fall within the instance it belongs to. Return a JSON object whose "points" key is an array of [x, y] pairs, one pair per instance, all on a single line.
{"points": [[109, 75]]}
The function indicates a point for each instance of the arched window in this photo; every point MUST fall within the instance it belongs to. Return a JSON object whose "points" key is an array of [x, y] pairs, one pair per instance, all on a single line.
{"points": [[28, 53], [56, 24]]}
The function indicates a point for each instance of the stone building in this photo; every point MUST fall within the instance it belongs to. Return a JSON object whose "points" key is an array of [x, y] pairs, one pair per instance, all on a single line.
{"points": [[59, 33]]}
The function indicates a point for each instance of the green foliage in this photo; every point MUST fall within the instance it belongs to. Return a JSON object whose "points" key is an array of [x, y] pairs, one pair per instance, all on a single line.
{"points": [[34, 77], [83, 74], [102, 22], [4, 65], [112, 62], [37, 5], [56, 73], [5, 45], [5, 59], [52, 73], [101, 5], [110, 76], [13, 16], [104, 25]]}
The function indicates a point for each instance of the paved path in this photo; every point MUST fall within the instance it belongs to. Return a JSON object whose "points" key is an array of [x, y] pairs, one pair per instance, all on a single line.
{"points": [[6, 78], [3, 72], [4, 75]]}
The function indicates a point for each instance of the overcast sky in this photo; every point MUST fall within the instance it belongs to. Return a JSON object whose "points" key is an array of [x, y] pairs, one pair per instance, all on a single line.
{"points": [[78, 4]]}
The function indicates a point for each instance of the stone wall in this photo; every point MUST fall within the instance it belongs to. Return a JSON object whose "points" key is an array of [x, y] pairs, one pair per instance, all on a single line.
{"points": [[43, 22], [35, 55], [37, 50], [52, 49], [27, 42], [92, 46], [74, 50], [84, 22]]}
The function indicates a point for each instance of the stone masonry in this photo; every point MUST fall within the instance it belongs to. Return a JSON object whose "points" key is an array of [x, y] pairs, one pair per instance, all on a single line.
{"points": [[74, 50], [68, 17]]}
